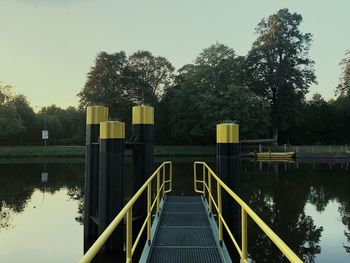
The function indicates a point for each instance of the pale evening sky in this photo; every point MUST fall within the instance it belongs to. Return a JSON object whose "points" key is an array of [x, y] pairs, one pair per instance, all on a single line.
{"points": [[48, 46]]}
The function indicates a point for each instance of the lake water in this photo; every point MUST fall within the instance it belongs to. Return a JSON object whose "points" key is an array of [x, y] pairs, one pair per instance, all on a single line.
{"points": [[306, 204]]}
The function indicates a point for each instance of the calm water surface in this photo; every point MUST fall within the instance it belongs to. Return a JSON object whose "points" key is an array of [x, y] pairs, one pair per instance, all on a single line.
{"points": [[307, 204]]}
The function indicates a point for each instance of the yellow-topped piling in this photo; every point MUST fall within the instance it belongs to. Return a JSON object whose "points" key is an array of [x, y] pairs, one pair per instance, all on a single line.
{"points": [[142, 115], [112, 130], [227, 133], [96, 114]]}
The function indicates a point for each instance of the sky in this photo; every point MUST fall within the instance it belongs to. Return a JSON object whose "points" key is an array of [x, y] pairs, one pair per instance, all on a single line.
{"points": [[47, 47]]}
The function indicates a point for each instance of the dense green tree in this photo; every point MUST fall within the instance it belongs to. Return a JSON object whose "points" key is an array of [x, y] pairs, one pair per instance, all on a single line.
{"points": [[209, 92], [26, 114], [278, 66], [217, 68], [120, 82], [343, 87], [341, 109], [107, 85], [183, 113], [65, 126], [317, 126], [155, 75], [11, 123]]}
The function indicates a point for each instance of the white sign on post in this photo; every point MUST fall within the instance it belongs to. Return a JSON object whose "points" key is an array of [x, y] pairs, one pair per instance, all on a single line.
{"points": [[44, 177], [45, 134]]}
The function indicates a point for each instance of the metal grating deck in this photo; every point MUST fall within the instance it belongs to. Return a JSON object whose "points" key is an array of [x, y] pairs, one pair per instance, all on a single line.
{"points": [[184, 233]]}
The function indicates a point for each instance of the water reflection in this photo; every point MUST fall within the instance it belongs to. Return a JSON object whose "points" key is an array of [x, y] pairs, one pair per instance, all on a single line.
{"points": [[279, 192], [307, 204]]}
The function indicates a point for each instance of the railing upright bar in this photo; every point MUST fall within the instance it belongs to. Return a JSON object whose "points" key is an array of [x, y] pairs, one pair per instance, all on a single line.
{"points": [[195, 177], [244, 237], [210, 194], [204, 182], [171, 177], [219, 212], [158, 187], [129, 236], [163, 190], [149, 212]]}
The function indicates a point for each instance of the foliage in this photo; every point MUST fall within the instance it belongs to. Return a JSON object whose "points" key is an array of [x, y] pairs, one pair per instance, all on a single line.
{"points": [[63, 124], [262, 91], [208, 92], [20, 125], [10, 120], [120, 82], [155, 75], [278, 66], [343, 87], [27, 116], [107, 84], [318, 119]]}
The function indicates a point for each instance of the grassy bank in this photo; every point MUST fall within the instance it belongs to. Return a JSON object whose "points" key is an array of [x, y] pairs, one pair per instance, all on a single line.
{"points": [[301, 148], [159, 151], [79, 151]]}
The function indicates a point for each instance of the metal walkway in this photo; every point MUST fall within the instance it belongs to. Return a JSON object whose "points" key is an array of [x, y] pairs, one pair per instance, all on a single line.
{"points": [[184, 228], [184, 233]]}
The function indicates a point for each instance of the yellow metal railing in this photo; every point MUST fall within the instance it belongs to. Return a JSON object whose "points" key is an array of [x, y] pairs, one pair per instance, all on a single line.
{"points": [[207, 190], [126, 212]]}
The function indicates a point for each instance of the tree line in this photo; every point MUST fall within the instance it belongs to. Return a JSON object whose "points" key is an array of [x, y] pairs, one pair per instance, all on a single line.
{"points": [[21, 125], [263, 91]]}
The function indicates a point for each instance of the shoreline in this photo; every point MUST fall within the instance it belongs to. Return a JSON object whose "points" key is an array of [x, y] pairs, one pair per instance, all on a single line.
{"points": [[165, 151], [79, 151]]}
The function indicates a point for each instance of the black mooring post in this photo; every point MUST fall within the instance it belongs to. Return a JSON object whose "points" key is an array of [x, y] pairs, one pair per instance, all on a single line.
{"points": [[142, 156], [111, 194], [94, 116], [227, 162]]}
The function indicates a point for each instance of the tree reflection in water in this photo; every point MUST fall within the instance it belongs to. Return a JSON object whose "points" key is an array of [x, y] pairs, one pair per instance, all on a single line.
{"points": [[277, 193], [19, 181]]}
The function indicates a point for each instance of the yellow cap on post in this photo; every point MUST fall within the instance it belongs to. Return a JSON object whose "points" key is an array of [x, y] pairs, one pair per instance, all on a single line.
{"points": [[142, 115], [96, 114], [112, 130], [227, 133]]}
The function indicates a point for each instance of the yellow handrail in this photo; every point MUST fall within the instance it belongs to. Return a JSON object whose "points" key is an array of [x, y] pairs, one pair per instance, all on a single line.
{"points": [[246, 210], [127, 212]]}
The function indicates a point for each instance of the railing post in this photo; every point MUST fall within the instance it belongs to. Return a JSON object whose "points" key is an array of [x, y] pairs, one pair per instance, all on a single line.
{"points": [[149, 212], [158, 187], [195, 176], [204, 179], [163, 169], [219, 212], [244, 237], [129, 236], [171, 177], [210, 193]]}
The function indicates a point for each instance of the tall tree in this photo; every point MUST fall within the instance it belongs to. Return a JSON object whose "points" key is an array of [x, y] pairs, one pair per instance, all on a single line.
{"points": [[343, 87], [26, 113], [278, 66], [107, 84], [155, 75], [208, 92], [10, 121], [120, 82]]}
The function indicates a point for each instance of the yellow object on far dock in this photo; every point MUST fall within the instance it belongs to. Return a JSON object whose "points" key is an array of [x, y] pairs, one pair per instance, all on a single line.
{"points": [[275, 155]]}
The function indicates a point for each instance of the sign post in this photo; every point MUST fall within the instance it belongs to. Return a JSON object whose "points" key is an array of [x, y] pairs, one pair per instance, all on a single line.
{"points": [[45, 135]]}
